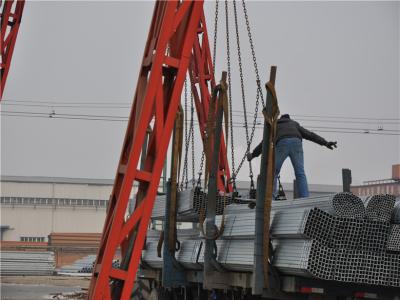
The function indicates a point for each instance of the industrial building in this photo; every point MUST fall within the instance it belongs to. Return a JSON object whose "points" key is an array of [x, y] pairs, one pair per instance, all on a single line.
{"points": [[32, 208], [381, 186]]}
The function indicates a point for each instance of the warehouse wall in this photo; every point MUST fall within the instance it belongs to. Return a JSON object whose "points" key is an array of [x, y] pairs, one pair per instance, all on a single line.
{"points": [[39, 221], [55, 190]]}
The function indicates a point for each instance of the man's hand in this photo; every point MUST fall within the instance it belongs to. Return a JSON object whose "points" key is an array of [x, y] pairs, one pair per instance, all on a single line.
{"points": [[249, 156], [331, 145]]}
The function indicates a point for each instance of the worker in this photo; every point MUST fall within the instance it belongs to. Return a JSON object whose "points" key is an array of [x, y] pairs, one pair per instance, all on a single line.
{"points": [[289, 135]]}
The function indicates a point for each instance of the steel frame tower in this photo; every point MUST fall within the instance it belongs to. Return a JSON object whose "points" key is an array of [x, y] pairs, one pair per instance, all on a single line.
{"points": [[10, 20], [177, 42]]}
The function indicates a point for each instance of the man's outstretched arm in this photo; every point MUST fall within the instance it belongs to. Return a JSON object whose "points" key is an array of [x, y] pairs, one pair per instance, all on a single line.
{"points": [[313, 137], [256, 152]]}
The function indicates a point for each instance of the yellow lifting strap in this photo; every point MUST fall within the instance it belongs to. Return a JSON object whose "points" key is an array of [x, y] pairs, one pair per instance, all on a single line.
{"points": [[222, 100], [177, 142], [272, 120], [219, 96]]}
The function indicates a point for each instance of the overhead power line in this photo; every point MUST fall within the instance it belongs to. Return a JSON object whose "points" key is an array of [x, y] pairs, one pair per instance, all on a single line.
{"points": [[107, 105], [111, 118], [66, 102]]}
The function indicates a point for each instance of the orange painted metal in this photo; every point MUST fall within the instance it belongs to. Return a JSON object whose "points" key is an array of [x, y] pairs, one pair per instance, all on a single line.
{"points": [[10, 20], [202, 83], [174, 33]]}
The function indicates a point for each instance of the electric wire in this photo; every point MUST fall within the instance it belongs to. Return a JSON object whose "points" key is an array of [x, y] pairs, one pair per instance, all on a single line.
{"points": [[236, 124], [236, 113]]}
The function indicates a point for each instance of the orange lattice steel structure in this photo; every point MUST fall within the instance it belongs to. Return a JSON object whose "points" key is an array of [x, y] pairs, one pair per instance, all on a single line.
{"points": [[10, 20], [177, 43]]}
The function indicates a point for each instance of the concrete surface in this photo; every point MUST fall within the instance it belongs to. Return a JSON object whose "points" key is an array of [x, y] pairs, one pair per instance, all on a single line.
{"points": [[12, 291], [40, 287]]}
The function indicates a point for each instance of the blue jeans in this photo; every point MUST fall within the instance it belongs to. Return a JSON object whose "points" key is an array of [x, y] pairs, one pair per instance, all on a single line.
{"points": [[293, 148]]}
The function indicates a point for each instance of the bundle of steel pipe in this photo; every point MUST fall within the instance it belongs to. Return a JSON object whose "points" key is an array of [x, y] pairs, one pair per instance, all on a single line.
{"points": [[189, 254], [190, 203], [82, 265], [394, 238], [347, 205], [380, 207], [285, 223], [375, 235], [26, 263], [396, 213], [331, 238], [234, 255], [304, 258], [150, 256]]}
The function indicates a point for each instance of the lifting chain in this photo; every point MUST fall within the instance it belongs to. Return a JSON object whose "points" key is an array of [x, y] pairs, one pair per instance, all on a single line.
{"points": [[228, 56], [191, 133], [198, 184], [215, 34], [242, 90], [253, 53], [185, 175], [259, 95]]}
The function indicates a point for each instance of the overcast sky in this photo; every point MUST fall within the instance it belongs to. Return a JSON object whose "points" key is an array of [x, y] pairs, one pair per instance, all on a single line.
{"points": [[334, 59]]}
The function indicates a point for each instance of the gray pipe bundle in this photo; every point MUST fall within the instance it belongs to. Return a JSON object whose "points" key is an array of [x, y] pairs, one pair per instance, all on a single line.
{"points": [[26, 263], [347, 205], [380, 207], [332, 237]]}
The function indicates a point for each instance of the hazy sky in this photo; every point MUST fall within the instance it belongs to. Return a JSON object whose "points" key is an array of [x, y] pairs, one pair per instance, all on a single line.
{"points": [[334, 59]]}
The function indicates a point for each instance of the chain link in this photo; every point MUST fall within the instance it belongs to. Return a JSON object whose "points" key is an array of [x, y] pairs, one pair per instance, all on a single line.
{"points": [[253, 129], [186, 136], [198, 184], [259, 95], [253, 53], [187, 141], [242, 89], [228, 56], [215, 35], [191, 132]]}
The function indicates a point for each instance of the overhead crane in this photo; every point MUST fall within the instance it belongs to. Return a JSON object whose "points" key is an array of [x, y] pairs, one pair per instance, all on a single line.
{"points": [[177, 45]]}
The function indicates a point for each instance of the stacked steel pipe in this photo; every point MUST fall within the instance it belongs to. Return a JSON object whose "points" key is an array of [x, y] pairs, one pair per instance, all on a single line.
{"points": [[191, 203], [338, 237], [26, 263]]}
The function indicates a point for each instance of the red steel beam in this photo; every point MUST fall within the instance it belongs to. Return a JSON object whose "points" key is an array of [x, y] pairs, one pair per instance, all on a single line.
{"points": [[10, 20], [164, 66], [202, 83]]}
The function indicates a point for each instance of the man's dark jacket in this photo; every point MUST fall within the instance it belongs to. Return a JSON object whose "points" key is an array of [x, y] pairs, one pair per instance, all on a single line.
{"points": [[287, 128]]}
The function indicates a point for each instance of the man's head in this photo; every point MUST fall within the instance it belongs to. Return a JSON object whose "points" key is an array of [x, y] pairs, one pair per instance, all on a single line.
{"points": [[285, 116]]}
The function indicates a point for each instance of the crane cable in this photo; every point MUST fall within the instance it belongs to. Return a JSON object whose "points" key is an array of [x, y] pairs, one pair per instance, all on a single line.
{"points": [[191, 131], [242, 91], [259, 94], [198, 183], [185, 171], [228, 60]]}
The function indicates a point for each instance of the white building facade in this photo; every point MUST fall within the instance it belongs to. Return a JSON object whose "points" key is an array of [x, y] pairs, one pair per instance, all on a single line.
{"points": [[34, 207]]}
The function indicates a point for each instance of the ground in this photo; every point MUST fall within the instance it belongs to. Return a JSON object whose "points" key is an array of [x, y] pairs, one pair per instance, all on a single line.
{"points": [[43, 287]]}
